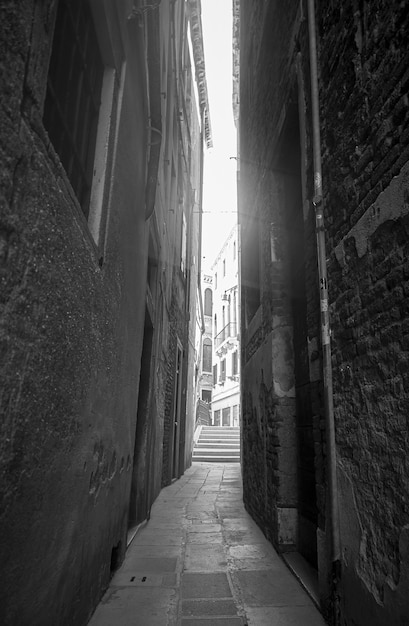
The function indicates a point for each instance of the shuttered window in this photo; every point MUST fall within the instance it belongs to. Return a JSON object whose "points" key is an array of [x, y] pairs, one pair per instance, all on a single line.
{"points": [[73, 96]]}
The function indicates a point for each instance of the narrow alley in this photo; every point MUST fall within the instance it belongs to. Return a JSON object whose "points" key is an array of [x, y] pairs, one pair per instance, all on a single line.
{"points": [[201, 560], [129, 344]]}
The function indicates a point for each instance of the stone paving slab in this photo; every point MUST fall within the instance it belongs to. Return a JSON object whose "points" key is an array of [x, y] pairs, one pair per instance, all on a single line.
{"points": [[253, 557], [247, 537], [284, 616], [256, 551], [229, 510], [202, 561], [205, 558], [209, 608], [214, 621], [164, 525], [198, 585], [204, 528], [158, 538], [208, 538], [152, 552], [270, 588], [142, 579], [238, 523], [149, 565], [136, 607]]}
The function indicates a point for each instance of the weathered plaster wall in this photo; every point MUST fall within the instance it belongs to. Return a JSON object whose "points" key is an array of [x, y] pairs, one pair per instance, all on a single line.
{"points": [[87, 342], [268, 432], [71, 338], [271, 90], [192, 278], [177, 199]]}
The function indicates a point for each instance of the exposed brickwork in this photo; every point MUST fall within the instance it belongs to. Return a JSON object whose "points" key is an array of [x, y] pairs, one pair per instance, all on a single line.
{"points": [[364, 80], [177, 331], [371, 394], [366, 94], [365, 146], [169, 400]]}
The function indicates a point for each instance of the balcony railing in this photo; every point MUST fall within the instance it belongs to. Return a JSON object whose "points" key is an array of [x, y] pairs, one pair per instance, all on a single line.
{"points": [[230, 330]]}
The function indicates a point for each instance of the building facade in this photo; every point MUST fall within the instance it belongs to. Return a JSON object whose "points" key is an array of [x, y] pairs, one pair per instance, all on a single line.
{"points": [[204, 387], [323, 169], [226, 347], [101, 165]]}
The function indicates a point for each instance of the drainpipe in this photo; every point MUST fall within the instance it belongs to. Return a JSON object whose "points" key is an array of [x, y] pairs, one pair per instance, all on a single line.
{"points": [[325, 327], [201, 168]]}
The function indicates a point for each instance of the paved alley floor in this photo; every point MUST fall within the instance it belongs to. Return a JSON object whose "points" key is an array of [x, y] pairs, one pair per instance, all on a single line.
{"points": [[201, 560]]}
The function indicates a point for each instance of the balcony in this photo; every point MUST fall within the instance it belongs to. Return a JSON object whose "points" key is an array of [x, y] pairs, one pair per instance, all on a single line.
{"points": [[228, 332]]}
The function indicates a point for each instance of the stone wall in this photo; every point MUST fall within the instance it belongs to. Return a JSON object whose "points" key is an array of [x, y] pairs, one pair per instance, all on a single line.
{"points": [[83, 333], [69, 310], [363, 77], [366, 151]]}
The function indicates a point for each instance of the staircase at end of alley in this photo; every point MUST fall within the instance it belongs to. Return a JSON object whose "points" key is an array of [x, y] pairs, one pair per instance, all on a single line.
{"points": [[217, 444]]}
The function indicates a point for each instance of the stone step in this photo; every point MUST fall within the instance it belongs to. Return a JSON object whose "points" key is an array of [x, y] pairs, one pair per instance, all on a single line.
{"points": [[222, 428], [212, 433], [215, 436], [216, 459], [220, 436], [218, 443], [234, 440], [206, 433], [213, 452]]}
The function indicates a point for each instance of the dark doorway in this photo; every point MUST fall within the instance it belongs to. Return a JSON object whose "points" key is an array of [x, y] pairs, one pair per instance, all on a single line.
{"points": [[139, 498], [177, 411], [290, 167]]}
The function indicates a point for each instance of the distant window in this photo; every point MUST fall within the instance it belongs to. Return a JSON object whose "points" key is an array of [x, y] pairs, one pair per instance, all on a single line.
{"points": [[73, 96], [226, 416], [206, 395], [216, 418], [215, 374], [207, 355], [234, 364], [208, 302], [223, 370], [236, 415], [251, 273]]}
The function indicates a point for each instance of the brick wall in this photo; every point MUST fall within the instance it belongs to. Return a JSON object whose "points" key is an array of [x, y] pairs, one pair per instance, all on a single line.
{"points": [[363, 61], [366, 150], [176, 331]]}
